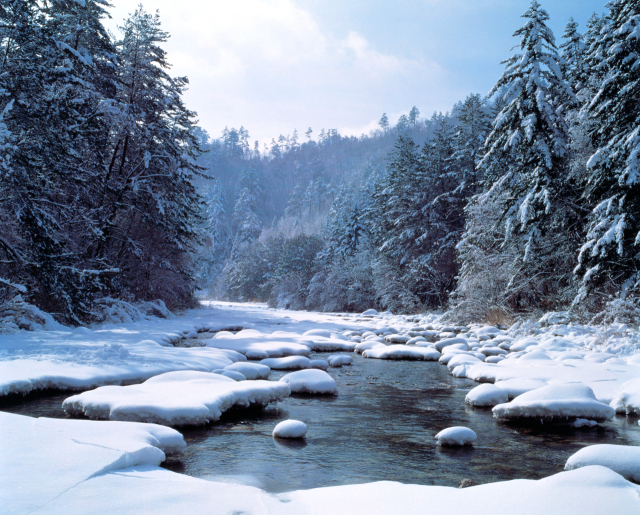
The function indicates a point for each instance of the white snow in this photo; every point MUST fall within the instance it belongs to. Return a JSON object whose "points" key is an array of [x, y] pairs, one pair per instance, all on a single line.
{"points": [[55, 466], [486, 395], [402, 352], [250, 370], [290, 429], [627, 400], [319, 363], [288, 363], [449, 341], [623, 459], [310, 381], [457, 435], [560, 401], [175, 398], [338, 360], [515, 387]]}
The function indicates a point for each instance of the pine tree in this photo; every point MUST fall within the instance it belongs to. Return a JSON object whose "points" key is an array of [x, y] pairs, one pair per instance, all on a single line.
{"points": [[573, 50], [609, 258], [384, 122], [532, 129], [149, 210], [55, 75]]}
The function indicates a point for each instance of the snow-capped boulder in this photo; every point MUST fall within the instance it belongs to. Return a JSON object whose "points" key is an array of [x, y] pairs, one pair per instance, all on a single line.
{"points": [[290, 429], [310, 381], [456, 436], [486, 395], [555, 402]]}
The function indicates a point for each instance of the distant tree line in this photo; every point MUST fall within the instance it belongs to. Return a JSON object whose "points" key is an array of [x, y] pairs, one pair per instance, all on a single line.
{"points": [[526, 201]]}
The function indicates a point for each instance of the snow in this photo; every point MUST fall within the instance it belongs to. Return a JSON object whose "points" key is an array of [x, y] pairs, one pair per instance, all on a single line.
{"points": [[250, 370], [319, 363], [402, 352], [461, 359], [627, 400], [623, 459], [338, 360], [289, 363], [310, 381], [56, 466], [457, 435], [486, 395], [515, 387], [290, 429], [236, 376], [555, 402], [449, 341], [60, 474], [175, 398]]}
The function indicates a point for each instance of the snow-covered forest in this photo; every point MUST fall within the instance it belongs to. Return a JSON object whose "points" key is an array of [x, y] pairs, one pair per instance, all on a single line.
{"points": [[517, 203], [438, 316]]}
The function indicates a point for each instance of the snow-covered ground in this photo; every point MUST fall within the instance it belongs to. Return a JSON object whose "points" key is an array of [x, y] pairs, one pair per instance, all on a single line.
{"points": [[69, 466]]}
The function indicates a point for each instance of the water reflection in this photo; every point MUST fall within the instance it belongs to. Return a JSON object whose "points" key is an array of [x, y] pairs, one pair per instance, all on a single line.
{"points": [[380, 427]]}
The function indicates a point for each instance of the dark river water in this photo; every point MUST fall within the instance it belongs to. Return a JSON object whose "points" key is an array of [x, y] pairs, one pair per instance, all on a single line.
{"points": [[381, 426]]}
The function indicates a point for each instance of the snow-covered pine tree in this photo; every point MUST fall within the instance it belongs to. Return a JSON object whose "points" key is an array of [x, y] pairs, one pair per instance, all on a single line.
{"points": [[609, 258], [573, 53], [150, 210], [474, 124], [532, 129], [55, 75]]}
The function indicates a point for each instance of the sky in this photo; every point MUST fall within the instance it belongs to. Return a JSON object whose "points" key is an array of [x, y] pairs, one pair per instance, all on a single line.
{"points": [[273, 66]]}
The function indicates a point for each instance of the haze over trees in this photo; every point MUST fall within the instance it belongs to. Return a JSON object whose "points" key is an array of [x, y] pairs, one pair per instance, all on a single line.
{"points": [[522, 202]]}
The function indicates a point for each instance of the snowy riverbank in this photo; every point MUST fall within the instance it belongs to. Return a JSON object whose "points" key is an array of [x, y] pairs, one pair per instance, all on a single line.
{"points": [[53, 466]]}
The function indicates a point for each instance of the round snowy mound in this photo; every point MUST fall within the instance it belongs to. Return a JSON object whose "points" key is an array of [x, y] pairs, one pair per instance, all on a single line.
{"points": [[310, 381], [486, 395], [457, 435], [623, 459], [557, 401], [338, 360], [251, 371], [290, 429]]}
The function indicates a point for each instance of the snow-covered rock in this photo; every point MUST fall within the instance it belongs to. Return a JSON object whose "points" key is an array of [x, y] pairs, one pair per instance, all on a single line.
{"points": [[627, 399], [288, 363], [310, 381], [232, 374], [320, 364], [623, 459], [457, 435], [250, 370], [339, 360], [486, 395], [449, 341], [402, 352], [175, 398], [515, 387], [397, 338], [461, 359], [557, 401], [290, 429]]}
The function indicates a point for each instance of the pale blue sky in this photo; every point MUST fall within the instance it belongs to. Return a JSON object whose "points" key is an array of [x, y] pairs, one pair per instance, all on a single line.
{"points": [[276, 65]]}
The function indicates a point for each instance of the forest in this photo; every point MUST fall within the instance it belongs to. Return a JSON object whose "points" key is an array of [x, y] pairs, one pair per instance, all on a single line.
{"points": [[514, 204]]}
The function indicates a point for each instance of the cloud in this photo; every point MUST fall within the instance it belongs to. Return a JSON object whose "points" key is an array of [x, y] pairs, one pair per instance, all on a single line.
{"points": [[268, 65]]}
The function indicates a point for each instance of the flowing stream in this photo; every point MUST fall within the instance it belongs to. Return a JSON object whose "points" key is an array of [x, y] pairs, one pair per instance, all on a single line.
{"points": [[381, 426]]}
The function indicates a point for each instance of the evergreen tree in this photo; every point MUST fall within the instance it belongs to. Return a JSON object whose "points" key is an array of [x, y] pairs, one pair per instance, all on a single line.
{"points": [[573, 50], [531, 127], [609, 258], [384, 122]]}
